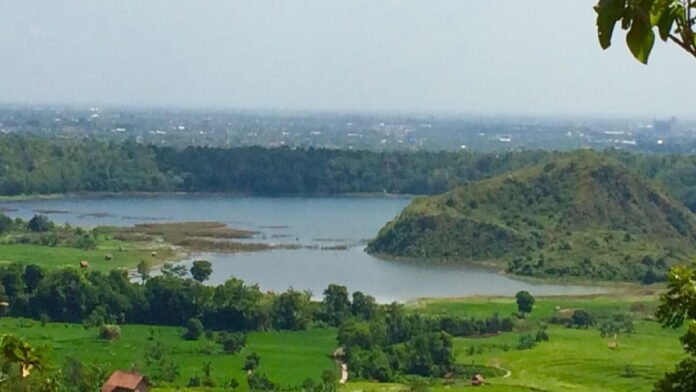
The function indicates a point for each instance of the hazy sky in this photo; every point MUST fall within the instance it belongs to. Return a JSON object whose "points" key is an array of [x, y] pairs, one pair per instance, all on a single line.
{"points": [[484, 56]]}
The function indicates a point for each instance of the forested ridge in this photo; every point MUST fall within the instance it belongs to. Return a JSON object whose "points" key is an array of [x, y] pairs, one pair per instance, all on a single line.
{"points": [[40, 166]]}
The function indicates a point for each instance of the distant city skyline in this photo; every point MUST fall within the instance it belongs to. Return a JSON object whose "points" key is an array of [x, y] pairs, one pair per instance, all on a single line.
{"points": [[529, 58]]}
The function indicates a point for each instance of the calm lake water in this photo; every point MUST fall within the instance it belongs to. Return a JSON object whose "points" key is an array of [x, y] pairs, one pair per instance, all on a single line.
{"points": [[306, 221]]}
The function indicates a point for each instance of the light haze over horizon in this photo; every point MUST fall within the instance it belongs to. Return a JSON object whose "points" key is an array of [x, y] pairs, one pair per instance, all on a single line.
{"points": [[492, 57]]}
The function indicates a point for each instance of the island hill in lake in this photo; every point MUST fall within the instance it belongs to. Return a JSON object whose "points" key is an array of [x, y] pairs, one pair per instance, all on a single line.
{"points": [[582, 216]]}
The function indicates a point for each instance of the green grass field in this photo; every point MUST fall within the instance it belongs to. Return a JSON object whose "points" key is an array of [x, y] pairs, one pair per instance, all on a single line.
{"points": [[288, 358], [124, 255], [572, 360]]}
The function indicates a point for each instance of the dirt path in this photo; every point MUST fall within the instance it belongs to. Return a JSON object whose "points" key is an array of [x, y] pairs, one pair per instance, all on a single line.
{"points": [[344, 374], [508, 373]]}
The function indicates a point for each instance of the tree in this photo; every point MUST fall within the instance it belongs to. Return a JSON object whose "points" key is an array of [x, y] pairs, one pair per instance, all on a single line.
{"points": [[582, 319], [251, 362], [40, 224], [32, 276], [260, 382], [525, 302], [291, 310], [673, 19], [616, 324], [677, 306], [194, 329], [201, 270], [363, 306], [336, 306], [174, 270], [143, 270], [233, 343]]}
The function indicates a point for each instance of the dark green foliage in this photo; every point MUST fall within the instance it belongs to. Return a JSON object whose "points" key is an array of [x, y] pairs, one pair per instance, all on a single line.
{"points": [[260, 382], [618, 323], [33, 274], [526, 342], [582, 319], [292, 311], [201, 270], [81, 377], [6, 223], [251, 362], [336, 306], [363, 306], [525, 302], [40, 223], [194, 329], [232, 343]]}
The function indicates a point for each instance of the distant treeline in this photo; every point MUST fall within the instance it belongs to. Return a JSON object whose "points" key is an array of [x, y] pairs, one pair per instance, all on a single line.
{"points": [[38, 166]]}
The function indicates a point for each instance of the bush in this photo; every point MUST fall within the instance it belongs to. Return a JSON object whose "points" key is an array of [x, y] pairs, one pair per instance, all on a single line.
{"points": [[526, 342], [260, 382], [110, 332], [194, 329], [233, 343], [582, 319]]}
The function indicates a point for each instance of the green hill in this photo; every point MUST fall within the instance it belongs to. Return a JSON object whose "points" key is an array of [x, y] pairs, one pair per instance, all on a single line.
{"points": [[585, 215]]}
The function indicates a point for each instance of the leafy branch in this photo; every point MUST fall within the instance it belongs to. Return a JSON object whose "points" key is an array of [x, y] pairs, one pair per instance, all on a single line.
{"points": [[672, 18]]}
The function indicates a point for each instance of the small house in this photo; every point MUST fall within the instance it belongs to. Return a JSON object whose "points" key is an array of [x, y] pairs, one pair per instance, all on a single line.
{"points": [[122, 381], [84, 264], [477, 380]]}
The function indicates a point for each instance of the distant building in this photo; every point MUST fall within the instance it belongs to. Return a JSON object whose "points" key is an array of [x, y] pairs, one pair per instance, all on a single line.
{"points": [[122, 381], [664, 126], [477, 380]]}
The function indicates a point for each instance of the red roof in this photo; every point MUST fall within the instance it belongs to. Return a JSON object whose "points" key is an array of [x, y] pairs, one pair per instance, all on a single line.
{"points": [[121, 379]]}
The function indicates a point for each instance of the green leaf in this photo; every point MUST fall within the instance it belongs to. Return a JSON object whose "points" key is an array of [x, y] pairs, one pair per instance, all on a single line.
{"points": [[608, 13], [640, 40], [665, 23]]}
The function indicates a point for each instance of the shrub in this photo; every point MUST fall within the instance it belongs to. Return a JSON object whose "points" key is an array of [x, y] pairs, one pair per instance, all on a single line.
{"points": [[526, 342], [582, 319], [233, 343], [260, 382], [110, 332], [194, 329]]}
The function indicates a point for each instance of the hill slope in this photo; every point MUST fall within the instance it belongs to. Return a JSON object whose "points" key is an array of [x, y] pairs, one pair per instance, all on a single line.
{"points": [[585, 215]]}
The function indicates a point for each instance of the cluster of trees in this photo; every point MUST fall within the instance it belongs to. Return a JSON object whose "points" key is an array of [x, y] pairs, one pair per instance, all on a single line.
{"points": [[39, 230], [393, 343]]}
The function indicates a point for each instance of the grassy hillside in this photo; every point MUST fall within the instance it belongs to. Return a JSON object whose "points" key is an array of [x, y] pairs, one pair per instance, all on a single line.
{"points": [[585, 215]]}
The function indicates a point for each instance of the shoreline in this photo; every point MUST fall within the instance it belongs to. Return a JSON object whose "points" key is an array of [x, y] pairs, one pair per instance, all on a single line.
{"points": [[182, 194], [494, 266]]}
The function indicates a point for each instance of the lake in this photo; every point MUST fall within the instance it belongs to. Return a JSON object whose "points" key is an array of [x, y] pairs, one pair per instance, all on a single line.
{"points": [[329, 221]]}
